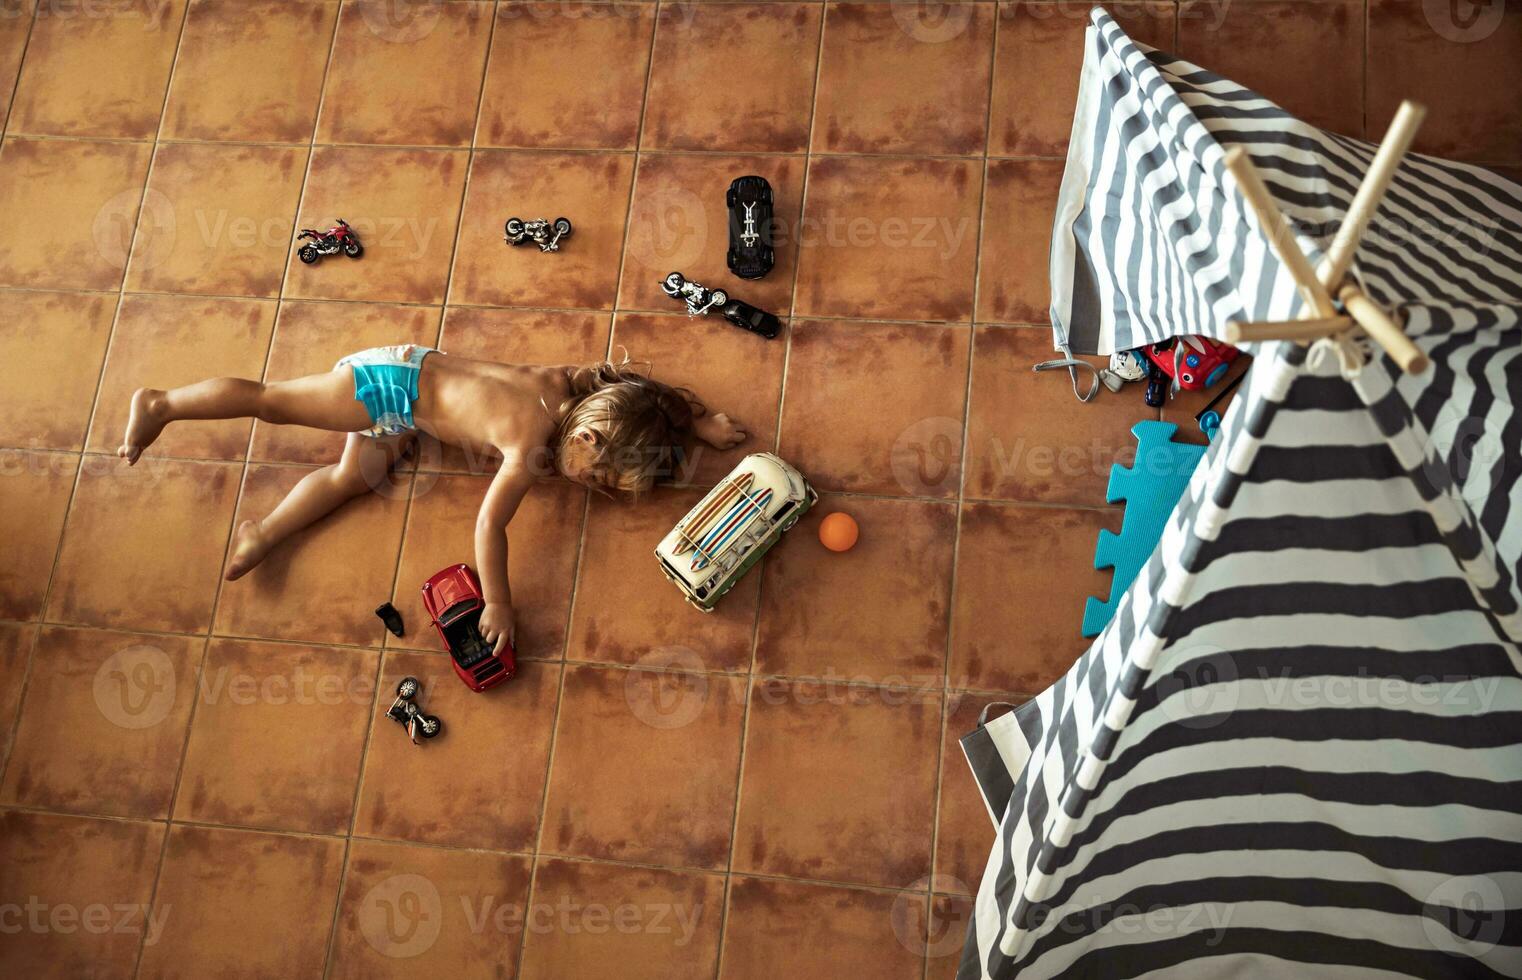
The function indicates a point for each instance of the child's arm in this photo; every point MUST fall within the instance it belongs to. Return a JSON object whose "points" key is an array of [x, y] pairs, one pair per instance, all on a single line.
{"points": [[502, 499]]}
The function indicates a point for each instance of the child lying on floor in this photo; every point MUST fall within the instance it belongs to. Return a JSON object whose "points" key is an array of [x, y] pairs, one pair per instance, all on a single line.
{"points": [[605, 426]]}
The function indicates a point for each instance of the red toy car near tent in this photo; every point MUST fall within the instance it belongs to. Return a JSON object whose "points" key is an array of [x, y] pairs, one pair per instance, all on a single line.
{"points": [[454, 603]]}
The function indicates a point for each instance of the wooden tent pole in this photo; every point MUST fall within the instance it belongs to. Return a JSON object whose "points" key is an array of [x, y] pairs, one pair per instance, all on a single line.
{"points": [[1259, 331], [1385, 331], [1339, 257], [1280, 236], [1320, 318]]}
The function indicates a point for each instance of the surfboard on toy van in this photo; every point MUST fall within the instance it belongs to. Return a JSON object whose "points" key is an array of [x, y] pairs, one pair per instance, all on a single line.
{"points": [[732, 527]]}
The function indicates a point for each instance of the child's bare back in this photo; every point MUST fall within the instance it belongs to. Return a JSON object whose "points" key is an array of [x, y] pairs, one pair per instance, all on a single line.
{"points": [[604, 426]]}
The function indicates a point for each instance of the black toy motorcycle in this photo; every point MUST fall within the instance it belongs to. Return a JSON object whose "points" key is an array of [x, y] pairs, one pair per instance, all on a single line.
{"points": [[700, 300], [404, 710], [543, 233]]}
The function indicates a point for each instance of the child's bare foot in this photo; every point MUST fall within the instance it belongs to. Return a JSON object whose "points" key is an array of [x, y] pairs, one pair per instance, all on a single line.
{"points": [[249, 550], [143, 425]]}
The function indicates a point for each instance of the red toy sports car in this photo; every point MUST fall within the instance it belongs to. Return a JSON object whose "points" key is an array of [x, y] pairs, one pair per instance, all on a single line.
{"points": [[454, 603]]}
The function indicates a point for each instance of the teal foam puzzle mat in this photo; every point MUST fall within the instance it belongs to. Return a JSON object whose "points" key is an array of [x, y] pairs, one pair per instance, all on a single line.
{"points": [[1150, 488]]}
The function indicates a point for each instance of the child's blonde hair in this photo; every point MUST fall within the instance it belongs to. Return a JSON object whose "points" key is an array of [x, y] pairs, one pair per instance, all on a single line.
{"points": [[630, 426]]}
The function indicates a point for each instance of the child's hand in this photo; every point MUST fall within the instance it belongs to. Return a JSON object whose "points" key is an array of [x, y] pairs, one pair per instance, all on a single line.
{"points": [[497, 624], [719, 430]]}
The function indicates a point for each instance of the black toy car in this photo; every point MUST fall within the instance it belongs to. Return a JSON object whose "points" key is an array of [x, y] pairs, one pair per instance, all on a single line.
{"points": [[750, 227], [748, 317]]}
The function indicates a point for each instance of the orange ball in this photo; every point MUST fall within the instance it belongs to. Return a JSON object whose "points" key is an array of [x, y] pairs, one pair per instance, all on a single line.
{"points": [[838, 531]]}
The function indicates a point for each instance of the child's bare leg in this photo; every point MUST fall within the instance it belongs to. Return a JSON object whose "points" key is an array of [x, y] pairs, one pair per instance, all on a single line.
{"points": [[364, 464], [321, 401]]}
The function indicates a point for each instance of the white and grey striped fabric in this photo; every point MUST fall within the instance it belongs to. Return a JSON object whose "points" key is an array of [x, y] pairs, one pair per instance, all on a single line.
{"points": [[1294, 750]]}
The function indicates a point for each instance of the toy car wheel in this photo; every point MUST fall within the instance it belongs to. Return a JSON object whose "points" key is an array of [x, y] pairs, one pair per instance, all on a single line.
{"points": [[307, 254], [563, 227], [514, 227], [673, 284], [719, 297], [408, 687], [429, 726], [353, 249]]}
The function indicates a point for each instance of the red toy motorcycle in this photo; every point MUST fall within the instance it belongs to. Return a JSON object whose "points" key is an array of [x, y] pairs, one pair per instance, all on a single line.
{"points": [[339, 238], [454, 602]]}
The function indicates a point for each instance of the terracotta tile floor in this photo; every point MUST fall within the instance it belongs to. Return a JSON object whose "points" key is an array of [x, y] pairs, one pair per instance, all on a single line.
{"points": [[197, 777]]}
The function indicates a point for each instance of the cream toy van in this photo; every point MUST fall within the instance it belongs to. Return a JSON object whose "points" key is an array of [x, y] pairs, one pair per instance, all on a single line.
{"points": [[732, 527]]}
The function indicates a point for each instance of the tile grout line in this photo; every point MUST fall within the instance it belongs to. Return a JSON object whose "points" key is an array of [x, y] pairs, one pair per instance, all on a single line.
{"points": [[639, 138], [26, 679], [90, 424], [407, 507], [10, 99], [956, 539], [274, 831], [120, 293], [586, 507], [289, 465], [814, 679], [405, 304], [787, 351], [280, 303], [244, 469]]}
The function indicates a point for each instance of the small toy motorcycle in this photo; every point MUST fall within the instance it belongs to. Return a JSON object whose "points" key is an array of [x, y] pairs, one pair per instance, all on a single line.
{"points": [[539, 231], [700, 300], [339, 238], [406, 712]]}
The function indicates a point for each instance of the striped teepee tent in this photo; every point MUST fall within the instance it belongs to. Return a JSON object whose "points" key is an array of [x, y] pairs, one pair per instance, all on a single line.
{"points": [[1294, 751]]}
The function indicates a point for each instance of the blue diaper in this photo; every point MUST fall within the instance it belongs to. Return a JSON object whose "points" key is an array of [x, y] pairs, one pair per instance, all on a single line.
{"points": [[385, 379]]}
